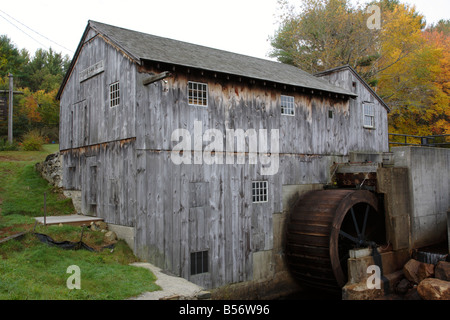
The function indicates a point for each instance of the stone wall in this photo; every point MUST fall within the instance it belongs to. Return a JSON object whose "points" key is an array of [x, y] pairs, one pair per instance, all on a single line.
{"points": [[51, 169]]}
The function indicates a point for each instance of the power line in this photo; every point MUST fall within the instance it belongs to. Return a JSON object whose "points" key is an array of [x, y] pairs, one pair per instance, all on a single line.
{"points": [[23, 31], [32, 31]]}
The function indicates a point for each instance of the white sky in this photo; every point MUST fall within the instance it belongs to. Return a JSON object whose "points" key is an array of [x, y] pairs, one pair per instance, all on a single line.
{"points": [[240, 26]]}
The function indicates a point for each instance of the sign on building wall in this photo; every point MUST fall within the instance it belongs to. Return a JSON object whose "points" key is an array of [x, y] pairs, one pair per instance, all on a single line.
{"points": [[92, 71]]}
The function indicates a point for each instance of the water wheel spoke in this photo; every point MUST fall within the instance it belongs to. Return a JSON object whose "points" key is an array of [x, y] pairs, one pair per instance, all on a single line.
{"points": [[346, 235], [355, 223], [366, 215]]}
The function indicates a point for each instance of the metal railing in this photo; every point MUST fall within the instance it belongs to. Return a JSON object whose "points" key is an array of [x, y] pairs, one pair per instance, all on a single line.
{"points": [[442, 140]]}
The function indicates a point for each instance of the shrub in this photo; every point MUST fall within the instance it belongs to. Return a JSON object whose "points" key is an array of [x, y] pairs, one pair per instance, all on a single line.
{"points": [[32, 141], [5, 145]]}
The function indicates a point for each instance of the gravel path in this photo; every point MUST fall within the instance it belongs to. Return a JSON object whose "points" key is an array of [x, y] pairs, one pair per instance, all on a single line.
{"points": [[172, 287]]}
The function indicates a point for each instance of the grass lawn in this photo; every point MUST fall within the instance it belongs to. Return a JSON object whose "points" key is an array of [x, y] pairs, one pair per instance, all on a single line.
{"points": [[30, 269]]}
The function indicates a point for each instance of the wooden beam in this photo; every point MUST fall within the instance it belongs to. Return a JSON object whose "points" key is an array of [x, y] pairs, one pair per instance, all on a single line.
{"points": [[156, 77], [13, 236]]}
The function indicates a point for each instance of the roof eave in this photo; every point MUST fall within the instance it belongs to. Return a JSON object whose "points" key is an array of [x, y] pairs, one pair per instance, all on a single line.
{"points": [[329, 71], [108, 39], [348, 94]]}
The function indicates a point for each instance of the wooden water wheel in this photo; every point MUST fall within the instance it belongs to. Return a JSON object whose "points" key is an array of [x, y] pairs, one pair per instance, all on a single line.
{"points": [[324, 225]]}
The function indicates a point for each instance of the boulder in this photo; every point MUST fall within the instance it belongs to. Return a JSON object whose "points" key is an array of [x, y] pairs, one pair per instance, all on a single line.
{"points": [[442, 270], [94, 227], [101, 225], [110, 236], [426, 270], [415, 271], [403, 286], [434, 289]]}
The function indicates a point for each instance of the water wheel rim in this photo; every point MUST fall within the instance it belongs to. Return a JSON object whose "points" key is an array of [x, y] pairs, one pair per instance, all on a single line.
{"points": [[344, 206]]}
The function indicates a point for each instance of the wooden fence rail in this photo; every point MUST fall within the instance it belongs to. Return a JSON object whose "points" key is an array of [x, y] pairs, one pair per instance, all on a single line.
{"points": [[427, 141]]}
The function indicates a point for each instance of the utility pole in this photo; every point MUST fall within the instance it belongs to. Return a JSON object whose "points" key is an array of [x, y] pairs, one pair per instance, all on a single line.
{"points": [[10, 114]]}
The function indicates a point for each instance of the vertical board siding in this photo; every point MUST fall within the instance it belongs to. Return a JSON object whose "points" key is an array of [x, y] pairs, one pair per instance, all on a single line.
{"points": [[196, 207], [360, 138], [106, 176], [85, 105]]}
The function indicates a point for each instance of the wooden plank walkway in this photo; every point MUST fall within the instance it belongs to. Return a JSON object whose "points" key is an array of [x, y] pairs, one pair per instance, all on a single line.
{"points": [[74, 219]]}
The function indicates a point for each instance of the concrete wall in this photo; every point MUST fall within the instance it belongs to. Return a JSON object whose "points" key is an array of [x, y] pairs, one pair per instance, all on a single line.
{"points": [[429, 188], [448, 229], [394, 184]]}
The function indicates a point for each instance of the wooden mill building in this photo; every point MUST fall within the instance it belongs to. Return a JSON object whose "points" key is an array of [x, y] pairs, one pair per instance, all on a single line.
{"points": [[197, 149]]}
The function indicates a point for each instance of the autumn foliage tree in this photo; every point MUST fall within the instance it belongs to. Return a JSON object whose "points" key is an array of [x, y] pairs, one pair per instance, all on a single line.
{"points": [[406, 63], [38, 78]]}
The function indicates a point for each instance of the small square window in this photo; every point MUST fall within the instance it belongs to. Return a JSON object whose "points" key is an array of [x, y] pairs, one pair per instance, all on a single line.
{"points": [[330, 114], [287, 105], [197, 94], [114, 94], [259, 191], [368, 115], [199, 262]]}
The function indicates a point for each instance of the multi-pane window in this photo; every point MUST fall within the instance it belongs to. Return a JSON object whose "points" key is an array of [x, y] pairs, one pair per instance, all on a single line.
{"points": [[114, 94], [259, 191], [198, 94], [369, 115], [199, 262], [287, 105]]}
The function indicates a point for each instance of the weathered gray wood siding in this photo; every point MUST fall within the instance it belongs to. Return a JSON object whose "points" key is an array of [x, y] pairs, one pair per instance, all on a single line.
{"points": [[96, 140], [362, 139], [85, 115], [242, 106], [194, 207], [106, 175]]}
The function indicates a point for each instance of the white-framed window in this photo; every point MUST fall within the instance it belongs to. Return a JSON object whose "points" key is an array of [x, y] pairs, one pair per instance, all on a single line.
{"points": [[114, 94], [259, 191], [198, 94], [368, 115], [199, 262], [287, 105]]}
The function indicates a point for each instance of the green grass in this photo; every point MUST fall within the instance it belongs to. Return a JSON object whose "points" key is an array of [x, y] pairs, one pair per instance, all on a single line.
{"points": [[30, 269], [22, 188], [33, 270]]}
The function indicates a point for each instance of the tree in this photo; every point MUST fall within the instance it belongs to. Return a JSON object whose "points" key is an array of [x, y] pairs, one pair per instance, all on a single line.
{"points": [[11, 59], [415, 78], [45, 71], [38, 78], [323, 35], [408, 66]]}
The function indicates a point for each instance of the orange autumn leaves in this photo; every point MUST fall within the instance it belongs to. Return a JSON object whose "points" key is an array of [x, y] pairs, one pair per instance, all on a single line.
{"points": [[39, 107], [415, 78]]}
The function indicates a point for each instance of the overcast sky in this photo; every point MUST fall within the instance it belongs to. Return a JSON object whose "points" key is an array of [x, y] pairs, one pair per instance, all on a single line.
{"points": [[241, 26]]}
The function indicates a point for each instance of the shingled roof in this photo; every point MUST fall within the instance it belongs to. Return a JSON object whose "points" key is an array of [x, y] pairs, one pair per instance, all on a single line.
{"points": [[142, 46]]}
